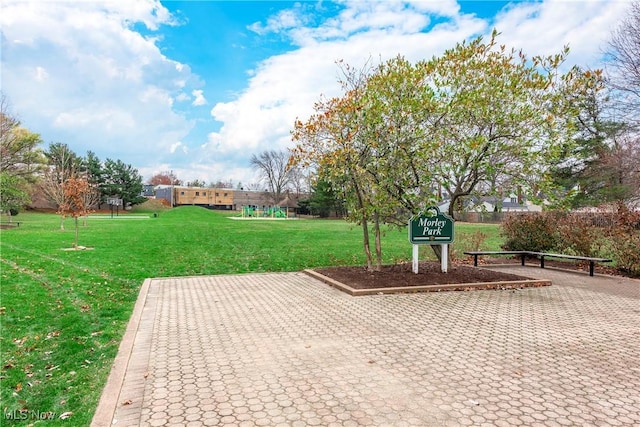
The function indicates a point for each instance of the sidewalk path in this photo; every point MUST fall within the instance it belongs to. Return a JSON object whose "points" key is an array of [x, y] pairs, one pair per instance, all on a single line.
{"points": [[287, 350]]}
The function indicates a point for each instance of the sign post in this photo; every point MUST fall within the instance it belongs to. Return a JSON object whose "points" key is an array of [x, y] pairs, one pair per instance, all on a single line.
{"points": [[431, 228]]}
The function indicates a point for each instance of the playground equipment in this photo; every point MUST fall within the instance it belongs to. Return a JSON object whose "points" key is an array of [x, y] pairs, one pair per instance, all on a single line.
{"points": [[250, 211]]}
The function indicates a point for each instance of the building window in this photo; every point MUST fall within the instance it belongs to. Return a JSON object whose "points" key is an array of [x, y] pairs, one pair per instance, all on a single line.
{"points": [[225, 194], [197, 193], [217, 194], [182, 193], [204, 193]]}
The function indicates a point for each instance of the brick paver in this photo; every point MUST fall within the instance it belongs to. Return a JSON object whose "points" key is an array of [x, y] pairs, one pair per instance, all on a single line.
{"points": [[288, 350]]}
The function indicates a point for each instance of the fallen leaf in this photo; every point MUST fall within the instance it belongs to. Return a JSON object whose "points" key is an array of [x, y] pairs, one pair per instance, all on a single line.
{"points": [[146, 374], [65, 415], [18, 387], [127, 402], [53, 334]]}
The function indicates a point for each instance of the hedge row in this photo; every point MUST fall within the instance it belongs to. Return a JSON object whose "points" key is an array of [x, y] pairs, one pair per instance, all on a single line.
{"points": [[608, 235]]}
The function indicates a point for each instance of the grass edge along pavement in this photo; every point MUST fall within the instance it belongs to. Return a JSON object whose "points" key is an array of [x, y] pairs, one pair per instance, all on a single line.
{"points": [[63, 313]]}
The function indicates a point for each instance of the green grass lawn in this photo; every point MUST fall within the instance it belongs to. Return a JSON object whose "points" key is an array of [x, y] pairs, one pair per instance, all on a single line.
{"points": [[63, 313]]}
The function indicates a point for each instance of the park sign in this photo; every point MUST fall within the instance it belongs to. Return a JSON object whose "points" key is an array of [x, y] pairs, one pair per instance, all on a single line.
{"points": [[431, 228]]}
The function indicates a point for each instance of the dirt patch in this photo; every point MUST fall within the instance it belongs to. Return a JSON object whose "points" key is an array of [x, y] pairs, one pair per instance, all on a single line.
{"points": [[400, 278]]}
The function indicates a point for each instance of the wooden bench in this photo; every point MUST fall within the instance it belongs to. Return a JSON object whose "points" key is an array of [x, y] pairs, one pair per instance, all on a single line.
{"points": [[541, 255]]}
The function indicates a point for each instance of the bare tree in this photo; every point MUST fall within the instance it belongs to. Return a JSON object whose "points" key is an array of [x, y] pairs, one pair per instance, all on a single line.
{"points": [[624, 55], [623, 161], [274, 171], [300, 181]]}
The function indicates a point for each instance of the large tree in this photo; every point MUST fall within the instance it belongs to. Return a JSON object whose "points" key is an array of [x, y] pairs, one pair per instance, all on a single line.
{"points": [[500, 114], [603, 164], [21, 159], [273, 168], [122, 181], [478, 113]]}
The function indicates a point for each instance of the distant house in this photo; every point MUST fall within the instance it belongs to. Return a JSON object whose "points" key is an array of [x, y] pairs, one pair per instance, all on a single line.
{"points": [[148, 191], [495, 204]]}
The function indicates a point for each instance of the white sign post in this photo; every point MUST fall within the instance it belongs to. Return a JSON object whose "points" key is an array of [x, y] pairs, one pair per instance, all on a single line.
{"points": [[444, 258], [444, 261]]}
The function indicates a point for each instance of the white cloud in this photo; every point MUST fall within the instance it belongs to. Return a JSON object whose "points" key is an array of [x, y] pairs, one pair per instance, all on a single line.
{"points": [[543, 28], [95, 83], [41, 74], [199, 98], [178, 146], [286, 86]]}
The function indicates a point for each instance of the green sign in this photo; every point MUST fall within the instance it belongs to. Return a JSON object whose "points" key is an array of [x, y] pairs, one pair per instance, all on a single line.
{"points": [[431, 228]]}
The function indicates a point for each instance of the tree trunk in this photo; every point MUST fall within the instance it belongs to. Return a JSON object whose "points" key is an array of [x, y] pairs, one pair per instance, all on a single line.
{"points": [[376, 225], [75, 245], [437, 249], [367, 246], [61, 222]]}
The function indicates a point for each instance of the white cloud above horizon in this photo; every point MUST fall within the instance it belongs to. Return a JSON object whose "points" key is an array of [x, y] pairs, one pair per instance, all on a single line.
{"points": [[100, 76]]}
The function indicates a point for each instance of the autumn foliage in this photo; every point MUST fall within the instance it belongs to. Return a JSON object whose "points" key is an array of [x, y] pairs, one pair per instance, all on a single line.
{"points": [[479, 116], [77, 200], [607, 234]]}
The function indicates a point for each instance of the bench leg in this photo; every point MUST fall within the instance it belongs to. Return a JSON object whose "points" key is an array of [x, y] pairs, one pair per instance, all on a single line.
{"points": [[591, 267], [542, 261], [522, 257], [475, 260]]}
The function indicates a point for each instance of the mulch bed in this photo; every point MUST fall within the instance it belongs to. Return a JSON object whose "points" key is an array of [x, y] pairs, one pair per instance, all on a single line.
{"points": [[401, 275], [357, 280]]}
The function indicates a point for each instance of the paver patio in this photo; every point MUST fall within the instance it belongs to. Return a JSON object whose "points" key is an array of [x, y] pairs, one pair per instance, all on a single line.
{"points": [[286, 349]]}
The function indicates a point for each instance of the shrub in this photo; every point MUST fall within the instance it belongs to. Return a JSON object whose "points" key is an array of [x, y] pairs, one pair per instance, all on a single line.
{"points": [[575, 234], [529, 232], [467, 242], [624, 240]]}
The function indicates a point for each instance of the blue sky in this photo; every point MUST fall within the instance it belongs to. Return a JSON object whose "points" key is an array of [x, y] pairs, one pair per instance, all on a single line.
{"points": [[197, 87]]}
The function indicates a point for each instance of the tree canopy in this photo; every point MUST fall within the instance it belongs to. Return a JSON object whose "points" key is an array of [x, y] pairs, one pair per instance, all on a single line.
{"points": [[20, 160], [478, 115]]}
